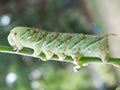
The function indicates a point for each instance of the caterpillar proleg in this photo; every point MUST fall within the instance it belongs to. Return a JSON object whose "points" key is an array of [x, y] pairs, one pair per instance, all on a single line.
{"points": [[59, 44]]}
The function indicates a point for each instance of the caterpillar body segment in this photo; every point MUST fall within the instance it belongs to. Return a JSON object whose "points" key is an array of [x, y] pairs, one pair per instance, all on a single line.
{"points": [[60, 44]]}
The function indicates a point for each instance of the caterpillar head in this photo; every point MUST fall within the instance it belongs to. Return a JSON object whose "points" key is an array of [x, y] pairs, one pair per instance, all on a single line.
{"points": [[14, 37]]}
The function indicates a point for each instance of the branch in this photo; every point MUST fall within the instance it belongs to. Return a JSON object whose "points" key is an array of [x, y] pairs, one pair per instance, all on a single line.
{"points": [[29, 52]]}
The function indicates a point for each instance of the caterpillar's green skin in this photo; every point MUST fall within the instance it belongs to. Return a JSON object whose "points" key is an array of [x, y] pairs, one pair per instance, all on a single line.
{"points": [[60, 44]]}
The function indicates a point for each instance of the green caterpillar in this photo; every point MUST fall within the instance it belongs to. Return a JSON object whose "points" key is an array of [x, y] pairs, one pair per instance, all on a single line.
{"points": [[60, 44]]}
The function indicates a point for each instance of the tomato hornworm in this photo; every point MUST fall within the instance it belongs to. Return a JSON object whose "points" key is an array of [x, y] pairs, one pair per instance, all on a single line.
{"points": [[59, 44]]}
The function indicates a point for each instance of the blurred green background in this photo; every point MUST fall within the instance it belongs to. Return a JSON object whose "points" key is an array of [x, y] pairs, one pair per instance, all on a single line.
{"points": [[73, 16]]}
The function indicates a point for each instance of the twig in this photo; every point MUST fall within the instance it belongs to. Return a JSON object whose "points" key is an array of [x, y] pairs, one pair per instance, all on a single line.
{"points": [[29, 52]]}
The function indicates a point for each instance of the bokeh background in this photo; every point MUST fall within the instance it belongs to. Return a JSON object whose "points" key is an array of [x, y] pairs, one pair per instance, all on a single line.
{"points": [[73, 16]]}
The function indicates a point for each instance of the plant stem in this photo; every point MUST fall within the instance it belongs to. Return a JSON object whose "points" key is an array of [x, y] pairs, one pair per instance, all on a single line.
{"points": [[29, 52]]}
